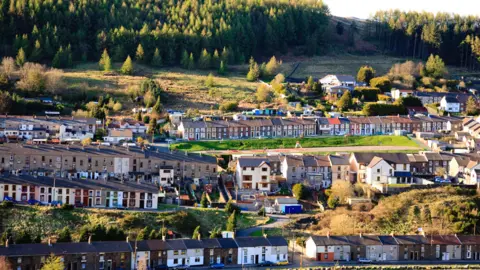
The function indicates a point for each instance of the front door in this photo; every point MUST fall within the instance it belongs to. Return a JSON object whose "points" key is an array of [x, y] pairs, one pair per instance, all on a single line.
{"points": [[256, 259]]}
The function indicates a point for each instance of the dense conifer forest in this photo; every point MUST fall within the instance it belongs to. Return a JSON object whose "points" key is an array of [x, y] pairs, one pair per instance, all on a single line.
{"points": [[160, 29]]}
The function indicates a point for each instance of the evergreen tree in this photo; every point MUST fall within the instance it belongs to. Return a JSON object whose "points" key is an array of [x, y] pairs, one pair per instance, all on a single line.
{"points": [[140, 54], [472, 108], [222, 70], [204, 62], [152, 126], [157, 58], [68, 56], [127, 67], [21, 58], [232, 222], [143, 234], [345, 101], [153, 235], [196, 233], [216, 60], [65, 235], [57, 60], [138, 116], [184, 62], [191, 62], [210, 81], [435, 66], [37, 52], [226, 56], [157, 108], [254, 71], [204, 201], [105, 63]]}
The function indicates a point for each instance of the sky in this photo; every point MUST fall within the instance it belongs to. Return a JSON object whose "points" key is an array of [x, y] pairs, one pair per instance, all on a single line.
{"points": [[364, 8]]}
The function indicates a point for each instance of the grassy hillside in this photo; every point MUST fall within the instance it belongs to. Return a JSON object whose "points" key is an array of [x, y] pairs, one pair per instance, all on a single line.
{"points": [[440, 210], [291, 142], [46, 221]]}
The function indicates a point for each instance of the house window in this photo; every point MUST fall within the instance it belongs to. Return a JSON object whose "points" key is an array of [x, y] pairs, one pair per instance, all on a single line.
{"points": [[175, 261], [264, 169], [378, 170], [211, 252], [378, 178], [197, 259]]}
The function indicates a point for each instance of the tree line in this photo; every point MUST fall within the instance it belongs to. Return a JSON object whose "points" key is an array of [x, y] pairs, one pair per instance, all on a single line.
{"points": [[65, 31], [420, 34]]}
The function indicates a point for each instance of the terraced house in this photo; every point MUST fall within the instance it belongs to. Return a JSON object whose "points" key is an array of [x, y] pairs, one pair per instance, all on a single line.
{"points": [[150, 254], [102, 162]]}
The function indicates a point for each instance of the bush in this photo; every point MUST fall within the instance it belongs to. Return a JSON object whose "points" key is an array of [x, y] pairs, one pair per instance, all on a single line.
{"points": [[228, 106], [230, 207], [373, 109], [261, 212], [368, 93], [299, 191], [382, 83], [333, 202], [6, 204], [67, 207]]}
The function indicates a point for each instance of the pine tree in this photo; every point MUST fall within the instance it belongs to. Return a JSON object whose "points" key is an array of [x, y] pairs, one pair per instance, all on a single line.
{"points": [[232, 222], [157, 108], [205, 60], [216, 59], [472, 108], [345, 101], [21, 58], [138, 116], [191, 62], [105, 63], [68, 56], [127, 67], [204, 200], [37, 52], [58, 58], [222, 70], [196, 233], [140, 54], [226, 55], [254, 72], [184, 60], [157, 58]]}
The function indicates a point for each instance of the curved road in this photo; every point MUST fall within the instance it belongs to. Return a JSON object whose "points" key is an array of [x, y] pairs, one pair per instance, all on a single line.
{"points": [[280, 221]]}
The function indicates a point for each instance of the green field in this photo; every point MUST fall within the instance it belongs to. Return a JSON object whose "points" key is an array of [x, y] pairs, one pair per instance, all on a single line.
{"points": [[269, 232], [291, 142]]}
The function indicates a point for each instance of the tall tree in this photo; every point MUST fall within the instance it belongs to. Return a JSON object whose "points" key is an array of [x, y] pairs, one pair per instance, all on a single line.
{"points": [[345, 102], [127, 67], [140, 54], [53, 263], [204, 62], [157, 58], [21, 58], [232, 222], [204, 200], [105, 63], [472, 107], [196, 232]]}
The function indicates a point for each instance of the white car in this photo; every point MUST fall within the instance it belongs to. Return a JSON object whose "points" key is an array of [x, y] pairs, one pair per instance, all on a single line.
{"points": [[364, 260]]}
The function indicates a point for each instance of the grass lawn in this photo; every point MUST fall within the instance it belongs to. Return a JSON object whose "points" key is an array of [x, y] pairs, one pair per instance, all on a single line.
{"points": [[163, 206], [290, 143], [269, 232]]}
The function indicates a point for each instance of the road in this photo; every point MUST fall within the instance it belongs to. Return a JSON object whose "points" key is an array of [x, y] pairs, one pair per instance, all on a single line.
{"points": [[311, 150], [280, 221]]}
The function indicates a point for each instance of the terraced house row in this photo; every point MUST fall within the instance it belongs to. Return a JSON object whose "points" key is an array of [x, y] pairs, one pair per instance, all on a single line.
{"points": [[148, 254], [315, 126], [393, 247], [102, 162]]}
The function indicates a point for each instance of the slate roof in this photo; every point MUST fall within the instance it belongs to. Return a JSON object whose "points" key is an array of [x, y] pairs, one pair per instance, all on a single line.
{"points": [[176, 244], [193, 243], [211, 243], [252, 242], [277, 241], [338, 160], [251, 161], [146, 245], [227, 242], [112, 246], [329, 240]]}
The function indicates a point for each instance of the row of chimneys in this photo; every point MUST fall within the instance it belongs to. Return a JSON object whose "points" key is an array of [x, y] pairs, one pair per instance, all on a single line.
{"points": [[392, 234]]}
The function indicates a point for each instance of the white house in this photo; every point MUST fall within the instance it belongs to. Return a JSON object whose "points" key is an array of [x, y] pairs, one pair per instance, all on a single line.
{"points": [[133, 125], [253, 173], [378, 171], [194, 251], [450, 104], [177, 254], [397, 93], [67, 134], [327, 248], [118, 135], [255, 250], [337, 80]]}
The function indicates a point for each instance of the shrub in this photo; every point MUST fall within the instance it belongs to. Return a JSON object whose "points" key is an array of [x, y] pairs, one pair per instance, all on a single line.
{"points": [[230, 207], [383, 83], [6, 204], [228, 106], [67, 207], [368, 93], [373, 109]]}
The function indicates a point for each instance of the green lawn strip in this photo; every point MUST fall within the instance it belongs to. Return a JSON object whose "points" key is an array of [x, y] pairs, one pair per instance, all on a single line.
{"points": [[250, 144]]}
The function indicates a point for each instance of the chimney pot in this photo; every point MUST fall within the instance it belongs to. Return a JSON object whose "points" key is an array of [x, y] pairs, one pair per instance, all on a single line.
{"points": [[127, 239], [6, 243], [90, 239], [328, 234], [164, 237]]}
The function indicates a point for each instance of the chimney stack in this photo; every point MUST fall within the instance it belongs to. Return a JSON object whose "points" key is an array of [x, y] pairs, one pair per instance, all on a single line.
{"points": [[423, 233], [361, 235], [49, 242], [6, 243], [90, 239], [264, 235], [164, 238], [199, 237], [127, 239], [392, 234], [328, 234]]}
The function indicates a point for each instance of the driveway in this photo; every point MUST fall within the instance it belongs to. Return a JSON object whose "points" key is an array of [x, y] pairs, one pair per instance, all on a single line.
{"points": [[279, 222]]}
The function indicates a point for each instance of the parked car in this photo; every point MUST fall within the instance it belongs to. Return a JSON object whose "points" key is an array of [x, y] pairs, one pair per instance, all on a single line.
{"points": [[56, 203], [34, 202], [266, 263], [181, 267], [364, 260], [9, 199], [217, 266]]}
